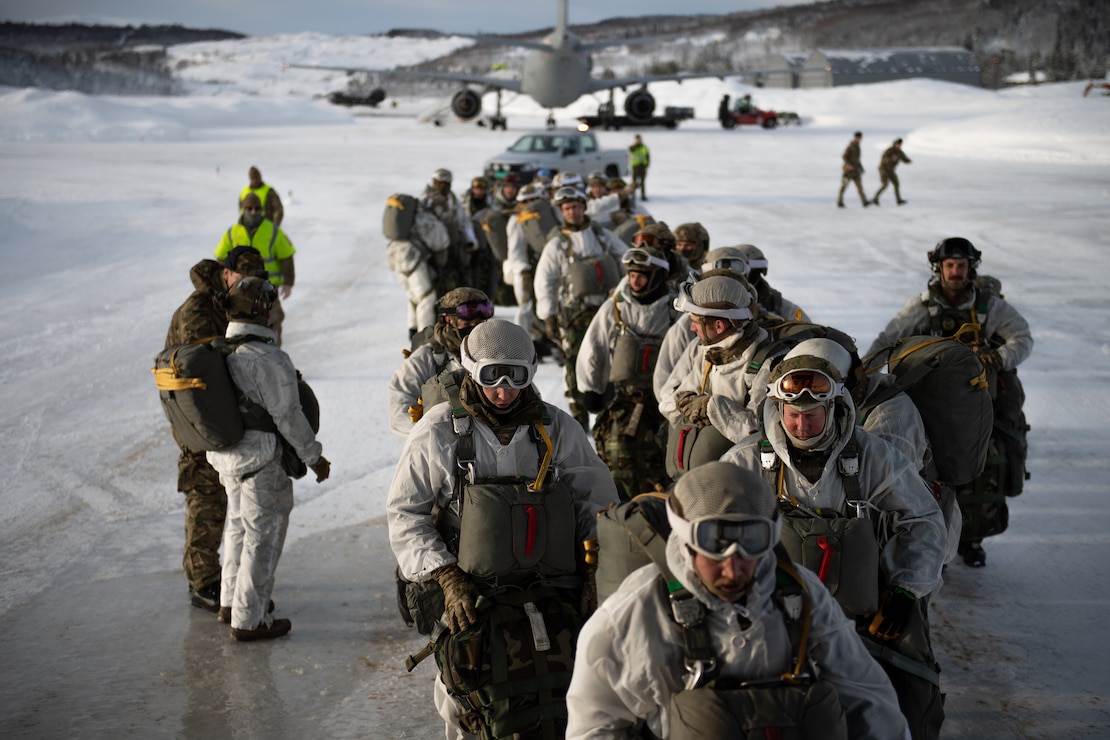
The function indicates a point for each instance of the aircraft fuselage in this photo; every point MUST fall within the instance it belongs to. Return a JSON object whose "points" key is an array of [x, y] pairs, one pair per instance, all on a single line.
{"points": [[558, 77]]}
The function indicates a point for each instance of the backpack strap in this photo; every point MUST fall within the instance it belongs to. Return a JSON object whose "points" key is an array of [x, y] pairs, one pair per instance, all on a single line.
{"points": [[255, 416], [848, 465]]}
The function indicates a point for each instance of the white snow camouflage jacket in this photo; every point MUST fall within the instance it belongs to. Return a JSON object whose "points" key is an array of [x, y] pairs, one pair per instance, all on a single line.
{"points": [[265, 375], [630, 654]]}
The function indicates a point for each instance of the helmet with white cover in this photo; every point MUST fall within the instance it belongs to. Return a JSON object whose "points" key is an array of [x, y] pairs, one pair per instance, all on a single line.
{"points": [[720, 509], [498, 353]]}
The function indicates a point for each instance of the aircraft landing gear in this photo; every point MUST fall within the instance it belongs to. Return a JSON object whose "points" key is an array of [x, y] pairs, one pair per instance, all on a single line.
{"points": [[497, 120]]}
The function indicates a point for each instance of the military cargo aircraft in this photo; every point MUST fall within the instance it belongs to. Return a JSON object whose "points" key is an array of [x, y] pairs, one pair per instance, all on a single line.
{"points": [[555, 74]]}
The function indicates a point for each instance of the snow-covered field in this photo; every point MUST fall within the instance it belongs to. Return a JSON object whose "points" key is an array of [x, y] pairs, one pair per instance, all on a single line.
{"points": [[105, 204]]}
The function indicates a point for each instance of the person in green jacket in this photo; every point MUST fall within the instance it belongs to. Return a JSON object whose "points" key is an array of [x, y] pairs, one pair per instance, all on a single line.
{"points": [[852, 171], [891, 157]]}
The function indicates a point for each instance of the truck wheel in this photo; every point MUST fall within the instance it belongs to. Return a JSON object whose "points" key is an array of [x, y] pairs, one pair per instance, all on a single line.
{"points": [[729, 122], [770, 123]]}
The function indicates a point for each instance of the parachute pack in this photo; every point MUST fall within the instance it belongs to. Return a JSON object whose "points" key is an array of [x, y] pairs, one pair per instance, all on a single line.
{"points": [[399, 217], [537, 219], [947, 383], [202, 403]]}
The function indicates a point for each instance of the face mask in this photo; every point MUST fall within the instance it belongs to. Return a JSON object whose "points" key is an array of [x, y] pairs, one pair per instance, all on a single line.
{"points": [[252, 220]]}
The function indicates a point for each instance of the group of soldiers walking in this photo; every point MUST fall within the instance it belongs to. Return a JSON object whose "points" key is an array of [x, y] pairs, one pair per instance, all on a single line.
{"points": [[775, 445]]}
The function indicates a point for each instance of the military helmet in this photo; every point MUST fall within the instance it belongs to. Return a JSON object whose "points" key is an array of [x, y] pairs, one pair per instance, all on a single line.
{"points": [[721, 297], [499, 353], [955, 247], [567, 179], [616, 183], [531, 191], [757, 263], [479, 182], [721, 510], [655, 234], [808, 377], [727, 261], [597, 177], [568, 193], [442, 175], [452, 299], [692, 232], [245, 260], [250, 299]]}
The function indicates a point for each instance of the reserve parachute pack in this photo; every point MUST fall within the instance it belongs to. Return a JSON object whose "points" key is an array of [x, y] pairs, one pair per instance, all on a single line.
{"points": [[948, 384], [627, 230], [206, 410], [798, 704]]}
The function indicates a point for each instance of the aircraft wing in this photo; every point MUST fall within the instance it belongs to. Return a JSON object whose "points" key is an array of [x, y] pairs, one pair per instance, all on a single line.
{"points": [[491, 82], [597, 84]]}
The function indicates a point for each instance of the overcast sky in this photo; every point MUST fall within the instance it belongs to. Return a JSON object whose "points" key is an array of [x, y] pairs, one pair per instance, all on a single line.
{"points": [[257, 17]]}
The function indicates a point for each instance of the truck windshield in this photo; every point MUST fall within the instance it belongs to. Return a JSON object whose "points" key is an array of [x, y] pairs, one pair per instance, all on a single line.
{"points": [[538, 143]]}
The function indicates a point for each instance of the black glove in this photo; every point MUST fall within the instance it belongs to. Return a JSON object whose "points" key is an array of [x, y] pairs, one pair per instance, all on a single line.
{"points": [[893, 615], [322, 468], [593, 402], [459, 597]]}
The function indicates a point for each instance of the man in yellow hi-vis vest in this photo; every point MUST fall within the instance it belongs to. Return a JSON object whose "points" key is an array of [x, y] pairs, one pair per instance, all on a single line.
{"points": [[271, 202], [255, 230], [639, 159]]}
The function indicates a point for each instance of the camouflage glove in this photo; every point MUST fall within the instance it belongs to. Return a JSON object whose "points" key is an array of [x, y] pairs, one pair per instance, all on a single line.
{"points": [[588, 604], [551, 328], [695, 408], [991, 359], [526, 282], [459, 597], [893, 615], [322, 468]]}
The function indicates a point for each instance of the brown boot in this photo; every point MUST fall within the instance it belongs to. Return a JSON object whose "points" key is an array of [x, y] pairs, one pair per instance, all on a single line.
{"points": [[277, 628], [224, 615]]}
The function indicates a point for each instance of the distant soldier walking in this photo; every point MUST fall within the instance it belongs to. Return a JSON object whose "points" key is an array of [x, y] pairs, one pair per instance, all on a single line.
{"points": [[891, 157], [852, 171]]}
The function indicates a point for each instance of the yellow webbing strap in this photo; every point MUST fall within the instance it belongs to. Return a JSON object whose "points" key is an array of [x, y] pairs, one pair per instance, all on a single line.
{"points": [[524, 216], [705, 376], [395, 201], [167, 379], [979, 381], [545, 464], [807, 617]]}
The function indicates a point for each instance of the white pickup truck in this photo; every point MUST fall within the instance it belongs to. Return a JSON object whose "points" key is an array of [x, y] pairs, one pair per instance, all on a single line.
{"points": [[557, 150]]}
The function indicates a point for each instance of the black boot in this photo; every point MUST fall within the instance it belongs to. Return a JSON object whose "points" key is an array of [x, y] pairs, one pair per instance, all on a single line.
{"points": [[973, 553]]}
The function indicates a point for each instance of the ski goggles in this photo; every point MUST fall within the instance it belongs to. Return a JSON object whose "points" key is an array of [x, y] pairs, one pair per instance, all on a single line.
{"points": [[819, 385], [500, 374], [470, 310], [721, 537], [639, 258], [646, 240], [735, 264]]}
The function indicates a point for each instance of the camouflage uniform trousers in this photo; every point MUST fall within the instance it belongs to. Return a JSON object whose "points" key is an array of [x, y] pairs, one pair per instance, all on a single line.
{"points": [[857, 178], [205, 512], [627, 441], [574, 323], [888, 178]]}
